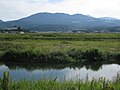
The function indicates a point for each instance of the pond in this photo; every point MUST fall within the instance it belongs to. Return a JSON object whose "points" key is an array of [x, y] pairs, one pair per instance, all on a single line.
{"points": [[62, 72]]}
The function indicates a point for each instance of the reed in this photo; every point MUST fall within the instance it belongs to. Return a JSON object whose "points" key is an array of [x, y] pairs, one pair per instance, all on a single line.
{"points": [[100, 84], [59, 47]]}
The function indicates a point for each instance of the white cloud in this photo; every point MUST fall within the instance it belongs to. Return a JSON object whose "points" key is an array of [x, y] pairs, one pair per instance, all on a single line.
{"points": [[15, 9]]}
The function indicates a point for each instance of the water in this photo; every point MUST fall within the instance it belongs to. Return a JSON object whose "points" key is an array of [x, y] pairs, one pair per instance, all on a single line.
{"points": [[62, 72]]}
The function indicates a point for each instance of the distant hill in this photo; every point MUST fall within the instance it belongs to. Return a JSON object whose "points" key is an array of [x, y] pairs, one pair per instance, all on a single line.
{"points": [[3, 24], [57, 21], [108, 18], [1, 21], [114, 29]]}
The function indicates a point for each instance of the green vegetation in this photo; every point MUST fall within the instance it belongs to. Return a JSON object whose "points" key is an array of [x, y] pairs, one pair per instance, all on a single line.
{"points": [[58, 50], [59, 47], [100, 84]]}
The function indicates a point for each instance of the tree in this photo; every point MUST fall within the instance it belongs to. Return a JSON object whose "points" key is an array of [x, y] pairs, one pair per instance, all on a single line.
{"points": [[19, 28]]}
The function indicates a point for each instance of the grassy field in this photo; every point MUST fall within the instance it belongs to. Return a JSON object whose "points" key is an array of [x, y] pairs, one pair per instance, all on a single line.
{"points": [[60, 47], [100, 84]]}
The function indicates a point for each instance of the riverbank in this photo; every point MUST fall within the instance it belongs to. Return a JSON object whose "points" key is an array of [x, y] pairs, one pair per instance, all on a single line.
{"points": [[72, 56], [100, 84], [59, 47]]}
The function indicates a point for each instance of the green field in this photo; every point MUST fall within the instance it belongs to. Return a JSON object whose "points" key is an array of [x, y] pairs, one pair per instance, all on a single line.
{"points": [[59, 47]]}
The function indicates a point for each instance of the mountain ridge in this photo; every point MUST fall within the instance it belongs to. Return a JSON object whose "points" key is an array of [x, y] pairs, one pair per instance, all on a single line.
{"points": [[77, 20], [1, 21]]}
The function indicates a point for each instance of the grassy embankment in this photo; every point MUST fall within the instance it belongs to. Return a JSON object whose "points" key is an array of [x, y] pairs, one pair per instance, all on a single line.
{"points": [[100, 84], [59, 47]]}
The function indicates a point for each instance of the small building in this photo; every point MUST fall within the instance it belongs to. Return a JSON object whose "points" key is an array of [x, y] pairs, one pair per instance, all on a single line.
{"points": [[14, 29]]}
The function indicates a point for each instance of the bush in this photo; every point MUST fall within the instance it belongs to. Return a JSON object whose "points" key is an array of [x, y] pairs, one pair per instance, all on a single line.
{"points": [[118, 57], [20, 56], [25, 56], [93, 55], [72, 56], [77, 55], [59, 57]]}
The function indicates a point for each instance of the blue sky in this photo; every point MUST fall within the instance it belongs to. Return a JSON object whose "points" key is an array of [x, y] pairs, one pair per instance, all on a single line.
{"points": [[16, 9]]}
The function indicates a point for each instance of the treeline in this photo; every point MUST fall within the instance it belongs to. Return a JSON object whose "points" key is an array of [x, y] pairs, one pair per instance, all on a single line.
{"points": [[72, 28]]}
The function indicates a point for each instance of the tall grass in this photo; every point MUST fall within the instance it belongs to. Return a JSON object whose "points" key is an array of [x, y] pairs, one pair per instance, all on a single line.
{"points": [[100, 84], [59, 47], [72, 56], [5, 81]]}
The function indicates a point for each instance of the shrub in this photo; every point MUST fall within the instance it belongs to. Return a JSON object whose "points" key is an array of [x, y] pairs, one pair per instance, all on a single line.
{"points": [[77, 55], [59, 57], [118, 57], [93, 55]]}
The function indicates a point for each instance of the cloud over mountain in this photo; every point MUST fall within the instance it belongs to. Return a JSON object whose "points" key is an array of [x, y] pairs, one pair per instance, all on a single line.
{"points": [[15, 9]]}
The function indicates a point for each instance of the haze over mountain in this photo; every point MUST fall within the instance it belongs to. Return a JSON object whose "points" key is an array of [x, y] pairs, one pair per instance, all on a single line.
{"points": [[55, 20]]}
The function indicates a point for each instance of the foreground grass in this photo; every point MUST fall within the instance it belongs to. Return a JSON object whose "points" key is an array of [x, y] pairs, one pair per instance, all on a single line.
{"points": [[59, 47], [100, 84]]}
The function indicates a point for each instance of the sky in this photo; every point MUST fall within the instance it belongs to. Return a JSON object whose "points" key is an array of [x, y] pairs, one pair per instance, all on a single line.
{"points": [[16, 9]]}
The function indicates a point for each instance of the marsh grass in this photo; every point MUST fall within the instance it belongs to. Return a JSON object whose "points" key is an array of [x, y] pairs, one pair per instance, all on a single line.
{"points": [[72, 56], [59, 47], [53, 84]]}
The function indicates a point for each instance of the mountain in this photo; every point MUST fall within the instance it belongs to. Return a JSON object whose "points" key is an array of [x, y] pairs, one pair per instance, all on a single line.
{"points": [[61, 21], [1, 21], [54, 19], [114, 29], [108, 18], [3, 24]]}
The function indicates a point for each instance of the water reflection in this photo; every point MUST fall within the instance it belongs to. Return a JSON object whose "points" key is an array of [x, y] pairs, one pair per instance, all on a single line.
{"points": [[62, 72], [33, 66]]}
